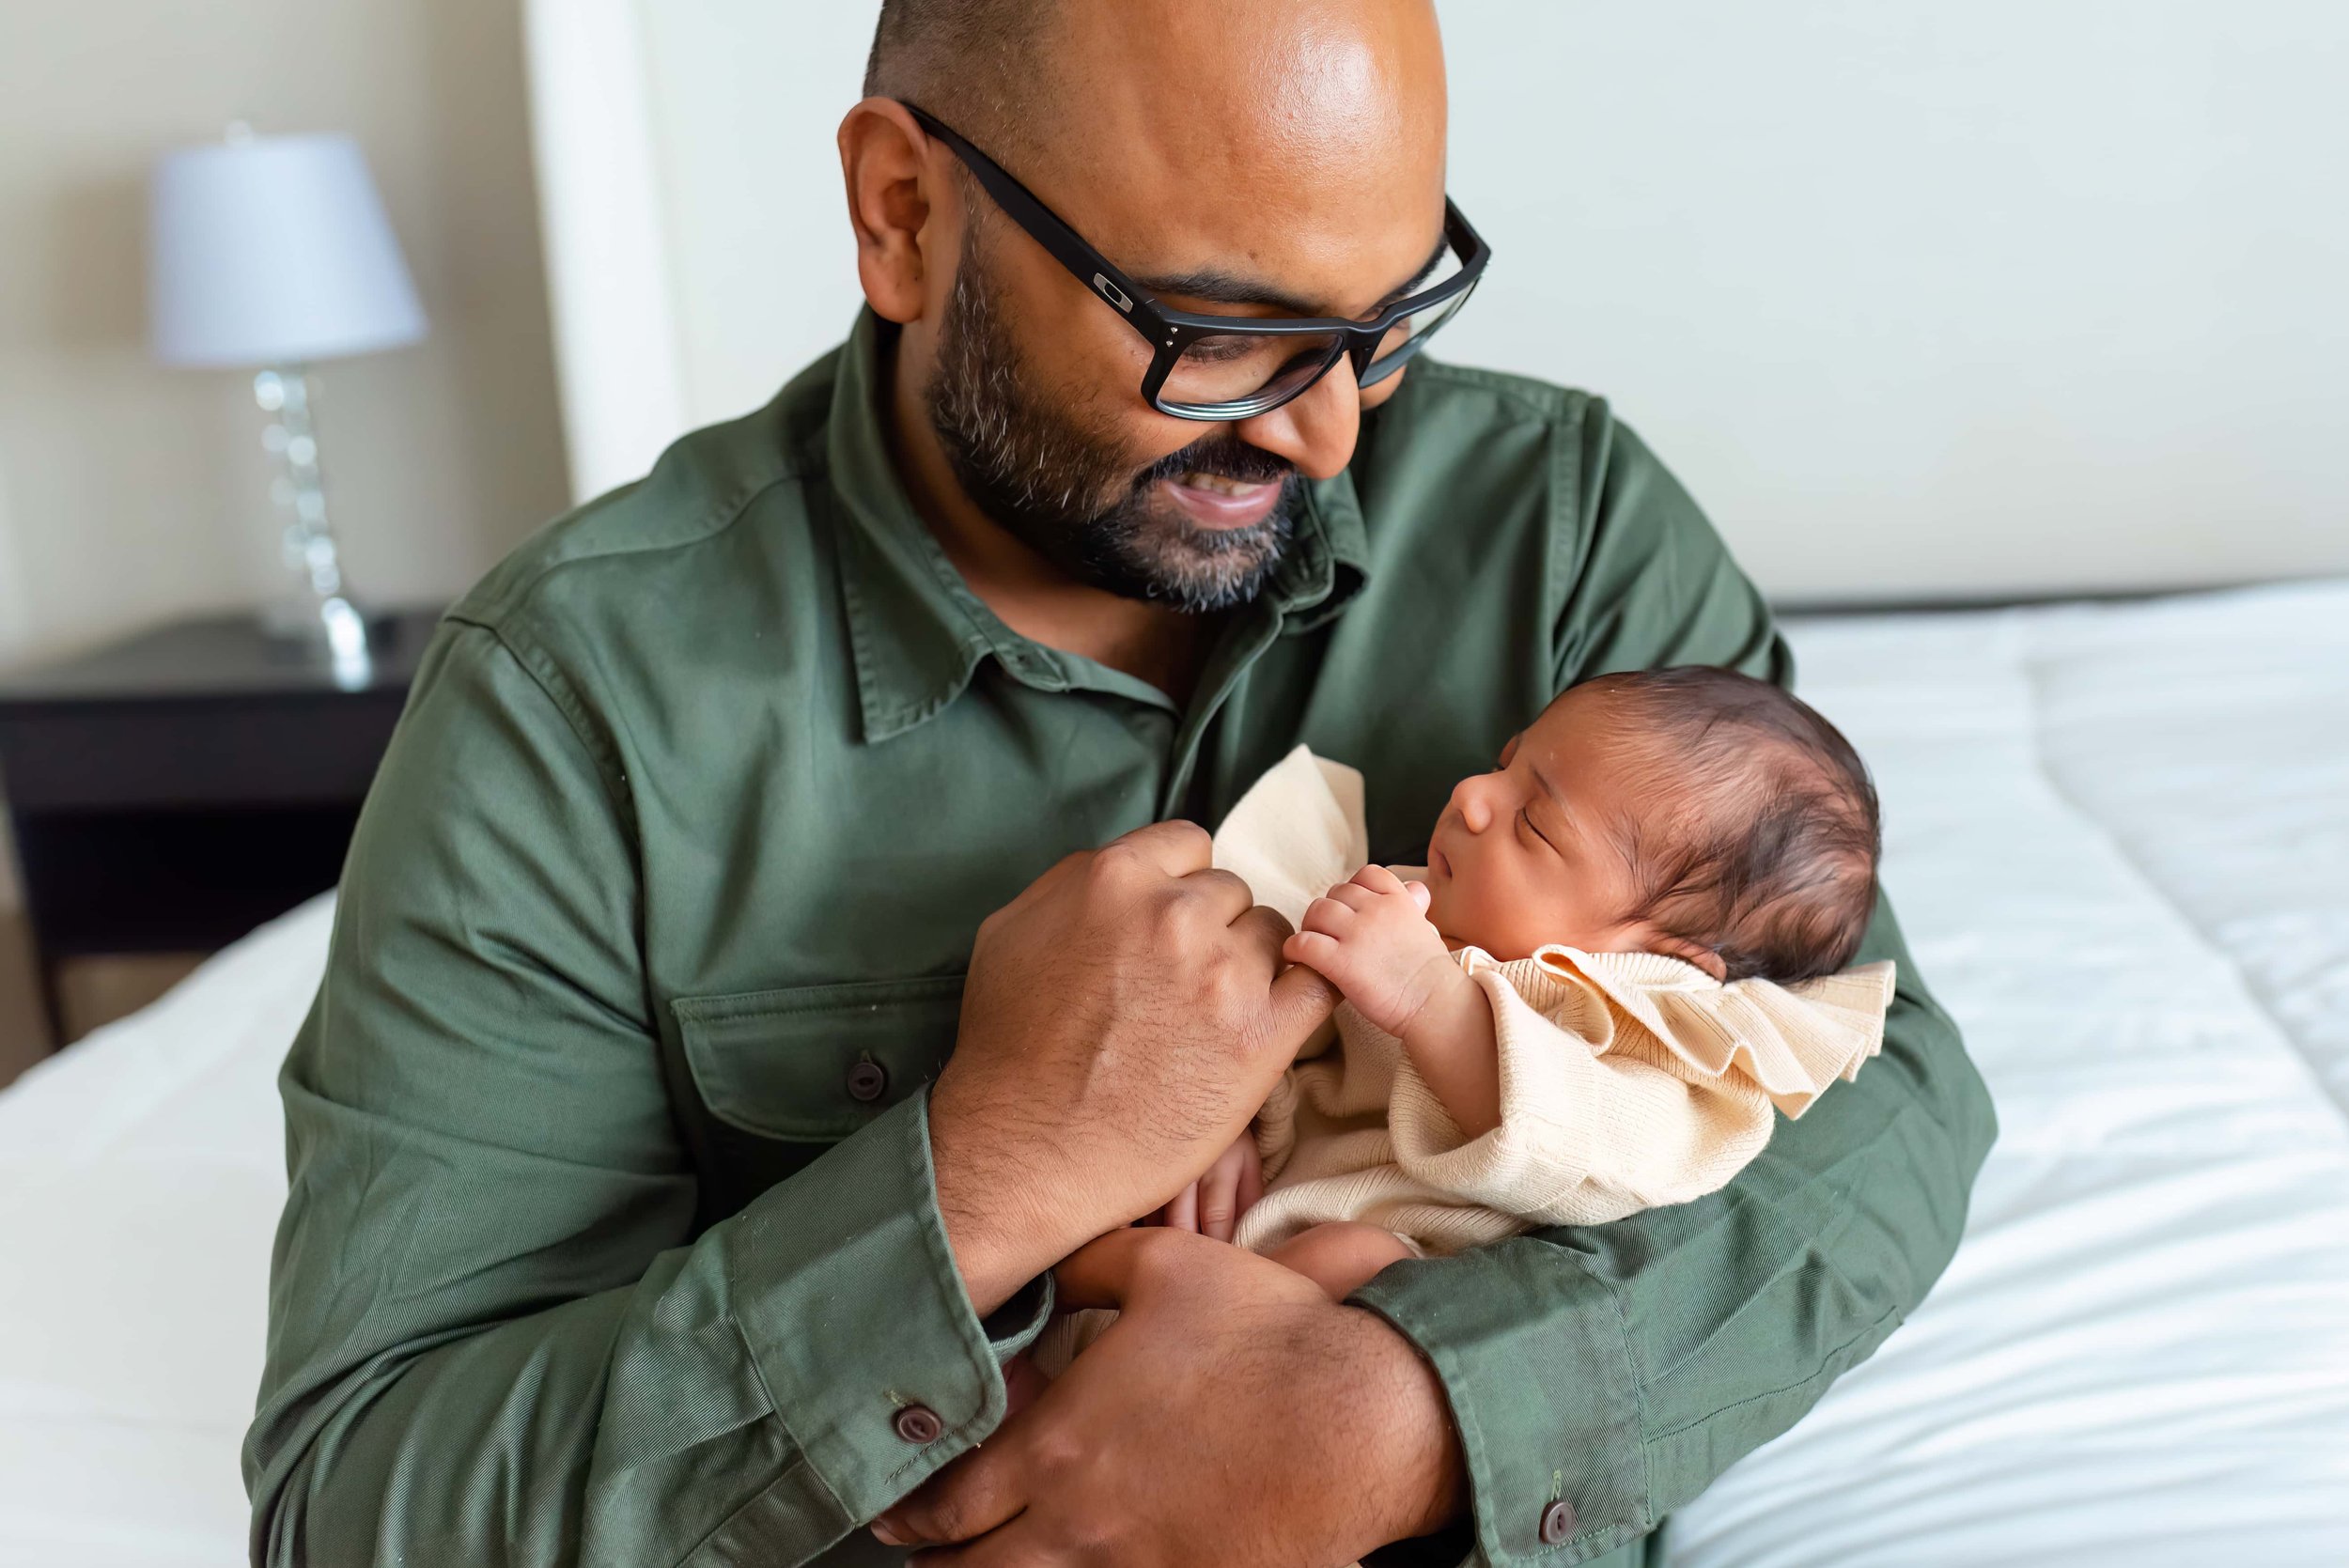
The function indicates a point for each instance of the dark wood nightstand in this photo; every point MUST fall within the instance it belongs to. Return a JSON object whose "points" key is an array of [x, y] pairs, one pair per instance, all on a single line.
{"points": [[172, 791]]}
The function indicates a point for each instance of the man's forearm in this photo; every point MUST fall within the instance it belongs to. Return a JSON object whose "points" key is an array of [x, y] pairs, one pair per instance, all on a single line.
{"points": [[1424, 1469], [744, 1393], [1002, 1231]]}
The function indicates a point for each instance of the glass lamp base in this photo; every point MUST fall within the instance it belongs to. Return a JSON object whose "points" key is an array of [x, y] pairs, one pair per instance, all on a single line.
{"points": [[326, 619], [331, 629]]}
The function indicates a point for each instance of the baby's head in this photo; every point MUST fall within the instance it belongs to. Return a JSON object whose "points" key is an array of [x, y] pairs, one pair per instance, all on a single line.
{"points": [[1695, 811]]}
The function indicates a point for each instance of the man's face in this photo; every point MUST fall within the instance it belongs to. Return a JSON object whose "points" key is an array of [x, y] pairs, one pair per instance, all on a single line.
{"points": [[1277, 163], [1199, 528]]}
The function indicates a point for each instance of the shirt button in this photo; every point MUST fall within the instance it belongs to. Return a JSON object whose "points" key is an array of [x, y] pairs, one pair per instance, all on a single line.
{"points": [[919, 1424], [1557, 1523], [868, 1081]]}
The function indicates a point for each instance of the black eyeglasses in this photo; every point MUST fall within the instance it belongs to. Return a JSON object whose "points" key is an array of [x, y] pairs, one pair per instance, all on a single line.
{"points": [[1225, 368]]}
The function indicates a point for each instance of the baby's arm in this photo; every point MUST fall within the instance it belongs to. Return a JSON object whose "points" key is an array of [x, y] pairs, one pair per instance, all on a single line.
{"points": [[1371, 939], [1452, 1043]]}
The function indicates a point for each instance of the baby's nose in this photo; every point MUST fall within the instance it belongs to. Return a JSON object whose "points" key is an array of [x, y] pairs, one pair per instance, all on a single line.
{"points": [[1476, 813]]}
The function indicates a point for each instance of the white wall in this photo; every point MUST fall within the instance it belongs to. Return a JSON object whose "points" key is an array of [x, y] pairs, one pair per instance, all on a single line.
{"points": [[697, 238], [1922, 301], [1926, 299]]}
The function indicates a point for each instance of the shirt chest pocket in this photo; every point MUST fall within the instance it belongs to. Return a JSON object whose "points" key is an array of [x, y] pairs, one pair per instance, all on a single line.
{"points": [[812, 1064]]}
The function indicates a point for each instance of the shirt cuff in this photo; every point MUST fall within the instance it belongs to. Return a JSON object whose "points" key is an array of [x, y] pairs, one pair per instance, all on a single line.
{"points": [[1535, 1357], [1016, 1325], [845, 1294]]}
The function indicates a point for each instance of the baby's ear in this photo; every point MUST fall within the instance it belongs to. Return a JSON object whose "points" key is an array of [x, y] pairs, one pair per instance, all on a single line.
{"points": [[1689, 953]]}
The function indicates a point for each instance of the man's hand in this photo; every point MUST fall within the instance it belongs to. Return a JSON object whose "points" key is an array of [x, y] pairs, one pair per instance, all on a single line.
{"points": [[1212, 1205], [1371, 938], [1124, 1018], [1232, 1415]]}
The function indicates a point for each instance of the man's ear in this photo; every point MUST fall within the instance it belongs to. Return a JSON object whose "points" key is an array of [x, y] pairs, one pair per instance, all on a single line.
{"points": [[895, 196]]}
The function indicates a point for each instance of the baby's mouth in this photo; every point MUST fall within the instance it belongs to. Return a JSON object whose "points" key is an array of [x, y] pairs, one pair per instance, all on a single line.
{"points": [[1437, 863]]}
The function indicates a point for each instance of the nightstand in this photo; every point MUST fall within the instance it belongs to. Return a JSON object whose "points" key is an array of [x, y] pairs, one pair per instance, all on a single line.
{"points": [[171, 792]]}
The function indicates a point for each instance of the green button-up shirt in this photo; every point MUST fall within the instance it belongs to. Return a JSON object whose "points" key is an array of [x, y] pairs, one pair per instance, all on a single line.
{"points": [[613, 1236]]}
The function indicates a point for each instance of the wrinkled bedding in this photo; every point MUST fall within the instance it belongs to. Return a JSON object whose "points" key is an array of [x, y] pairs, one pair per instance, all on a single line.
{"points": [[2119, 837]]}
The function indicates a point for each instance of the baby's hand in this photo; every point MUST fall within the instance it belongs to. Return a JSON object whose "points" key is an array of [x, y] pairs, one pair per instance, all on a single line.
{"points": [[1211, 1206], [1372, 939]]}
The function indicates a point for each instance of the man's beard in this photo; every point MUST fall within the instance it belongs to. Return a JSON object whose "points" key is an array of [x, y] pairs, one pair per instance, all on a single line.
{"points": [[1068, 490]]}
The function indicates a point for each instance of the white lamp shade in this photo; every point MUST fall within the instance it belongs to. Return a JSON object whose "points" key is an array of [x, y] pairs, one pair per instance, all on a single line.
{"points": [[274, 251]]}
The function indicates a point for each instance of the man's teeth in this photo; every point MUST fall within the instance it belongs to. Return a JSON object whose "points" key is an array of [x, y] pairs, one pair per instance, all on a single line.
{"points": [[1217, 483]]}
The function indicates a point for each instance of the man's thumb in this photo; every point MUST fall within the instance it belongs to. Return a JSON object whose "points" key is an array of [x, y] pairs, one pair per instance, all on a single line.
{"points": [[1101, 1272], [1303, 998]]}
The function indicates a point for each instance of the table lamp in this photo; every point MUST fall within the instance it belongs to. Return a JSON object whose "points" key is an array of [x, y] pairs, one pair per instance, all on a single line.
{"points": [[272, 253]]}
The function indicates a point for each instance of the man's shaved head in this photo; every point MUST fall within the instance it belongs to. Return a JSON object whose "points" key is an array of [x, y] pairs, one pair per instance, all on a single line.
{"points": [[972, 63]]}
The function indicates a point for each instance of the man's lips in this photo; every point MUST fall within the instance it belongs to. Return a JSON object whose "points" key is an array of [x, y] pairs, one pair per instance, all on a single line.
{"points": [[1214, 501]]}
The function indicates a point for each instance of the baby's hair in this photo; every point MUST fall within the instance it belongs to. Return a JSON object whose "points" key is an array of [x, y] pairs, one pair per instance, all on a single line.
{"points": [[1774, 865]]}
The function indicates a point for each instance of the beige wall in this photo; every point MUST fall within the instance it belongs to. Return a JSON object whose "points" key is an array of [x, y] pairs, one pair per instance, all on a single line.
{"points": [[130, 493]]}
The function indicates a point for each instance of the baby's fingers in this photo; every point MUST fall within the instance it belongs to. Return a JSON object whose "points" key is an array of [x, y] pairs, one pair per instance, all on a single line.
{"points": [[1352, 894], [1183, 1213], [1328, 916], [1315, 950], [1220, 1190], [1377, 878]]}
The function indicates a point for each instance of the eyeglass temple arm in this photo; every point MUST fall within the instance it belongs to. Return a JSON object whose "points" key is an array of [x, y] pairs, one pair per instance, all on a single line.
{"points": [[1096, 271], [1045, 226]]}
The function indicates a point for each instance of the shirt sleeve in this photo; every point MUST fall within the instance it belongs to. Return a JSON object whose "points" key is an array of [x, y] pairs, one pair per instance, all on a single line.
{"points": [[494, 1337], [1619, 1369], [1583, 1139]]}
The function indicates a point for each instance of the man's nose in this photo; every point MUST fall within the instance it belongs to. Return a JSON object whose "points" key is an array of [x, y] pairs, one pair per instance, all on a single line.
{"points": [[1314, 429]]}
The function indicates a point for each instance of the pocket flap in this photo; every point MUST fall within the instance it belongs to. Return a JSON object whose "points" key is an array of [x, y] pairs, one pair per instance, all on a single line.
{"points": [[815, 1063]]}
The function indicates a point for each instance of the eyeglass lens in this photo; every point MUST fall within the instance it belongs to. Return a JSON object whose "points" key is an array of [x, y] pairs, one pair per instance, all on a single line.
{"points": [[1234, 368], [1404, 337], [1239, 371]]}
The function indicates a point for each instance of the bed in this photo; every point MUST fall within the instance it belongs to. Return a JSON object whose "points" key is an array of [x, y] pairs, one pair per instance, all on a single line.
{"points": [[2119, 835]]}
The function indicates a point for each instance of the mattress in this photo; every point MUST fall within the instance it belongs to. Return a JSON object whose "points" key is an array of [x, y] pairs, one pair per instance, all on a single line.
{"points": [[2119, 836]]}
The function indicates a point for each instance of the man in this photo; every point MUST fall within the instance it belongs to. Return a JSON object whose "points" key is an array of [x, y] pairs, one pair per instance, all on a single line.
{"points": [[627, 1225]]}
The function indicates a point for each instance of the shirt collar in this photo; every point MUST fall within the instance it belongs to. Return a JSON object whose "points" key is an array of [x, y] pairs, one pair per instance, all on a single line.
{"points": [[916, 630]]}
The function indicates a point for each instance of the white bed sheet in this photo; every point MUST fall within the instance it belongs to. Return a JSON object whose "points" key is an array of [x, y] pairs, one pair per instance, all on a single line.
{"points": [[2119, 839], [141, 1172], [2119, 836]]}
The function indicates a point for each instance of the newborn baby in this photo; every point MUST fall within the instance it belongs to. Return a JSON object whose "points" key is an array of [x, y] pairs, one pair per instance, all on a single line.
{"points": [[1627, 948]]}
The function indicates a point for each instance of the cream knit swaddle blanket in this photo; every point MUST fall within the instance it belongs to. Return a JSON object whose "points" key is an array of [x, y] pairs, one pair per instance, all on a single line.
{"points": [[1628, 1080]]}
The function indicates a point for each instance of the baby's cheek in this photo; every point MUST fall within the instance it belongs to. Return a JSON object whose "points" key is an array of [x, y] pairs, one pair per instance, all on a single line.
{"points": [[1458, 912], [1510, 915], [1440, 903]]}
